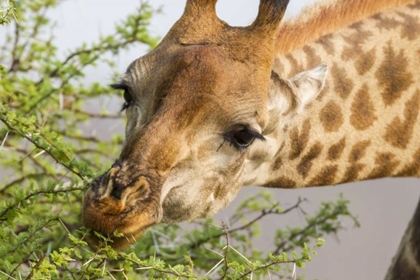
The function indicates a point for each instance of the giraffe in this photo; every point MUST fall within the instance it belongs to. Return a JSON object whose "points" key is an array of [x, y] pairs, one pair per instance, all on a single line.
{"points": [[215, 107], [405, 264]]}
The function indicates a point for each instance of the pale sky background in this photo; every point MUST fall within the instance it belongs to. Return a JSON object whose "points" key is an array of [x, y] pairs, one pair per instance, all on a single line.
{"points": [[384, 206]]}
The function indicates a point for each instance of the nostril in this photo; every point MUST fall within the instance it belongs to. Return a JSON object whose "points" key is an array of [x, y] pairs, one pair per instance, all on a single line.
{"points": [[139, 187], [108, 182], [117, 163], [141, 184]]}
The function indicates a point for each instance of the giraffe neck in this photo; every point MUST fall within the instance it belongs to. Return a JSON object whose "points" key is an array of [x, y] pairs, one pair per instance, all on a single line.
{"points": [[406, 262], [365, 124], [325, 17]]}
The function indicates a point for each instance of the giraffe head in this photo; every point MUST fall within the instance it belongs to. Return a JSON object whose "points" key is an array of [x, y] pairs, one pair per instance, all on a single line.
{"points": [[195, 105]]}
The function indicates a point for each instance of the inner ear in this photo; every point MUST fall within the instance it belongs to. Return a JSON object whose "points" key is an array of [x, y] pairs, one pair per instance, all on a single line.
{"points": [[287, 97], [309, 84]]}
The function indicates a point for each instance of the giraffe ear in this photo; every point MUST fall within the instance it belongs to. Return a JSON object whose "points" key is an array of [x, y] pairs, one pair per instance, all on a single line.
{"points": [[287, 97], [308, 84]]}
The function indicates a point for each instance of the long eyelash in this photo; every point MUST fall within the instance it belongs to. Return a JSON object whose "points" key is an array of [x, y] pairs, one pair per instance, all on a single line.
{"points": [[124, 107], [119, 86], [250, 130], [124, 87], [227, 137], [257, 135]]}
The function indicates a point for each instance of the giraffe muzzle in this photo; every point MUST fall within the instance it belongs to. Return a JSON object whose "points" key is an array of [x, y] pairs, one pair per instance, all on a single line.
{"points": [[118, 202]]}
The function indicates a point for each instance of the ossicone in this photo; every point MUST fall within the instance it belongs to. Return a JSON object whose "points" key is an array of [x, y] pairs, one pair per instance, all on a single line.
{"points": [[206, 8], [270, 14]]}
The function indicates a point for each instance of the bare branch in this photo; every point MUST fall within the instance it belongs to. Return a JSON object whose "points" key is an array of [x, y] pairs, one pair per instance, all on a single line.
{"points": [[15, 59], [227, 246], [263, 214]]}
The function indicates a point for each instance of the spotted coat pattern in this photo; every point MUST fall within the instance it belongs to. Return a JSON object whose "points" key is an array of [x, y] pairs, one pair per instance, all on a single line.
{"points": [[366, 123]]}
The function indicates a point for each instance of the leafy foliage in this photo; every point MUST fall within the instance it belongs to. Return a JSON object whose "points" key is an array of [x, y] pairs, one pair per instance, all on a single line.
{"points": [[7, 12], [47, 162]]}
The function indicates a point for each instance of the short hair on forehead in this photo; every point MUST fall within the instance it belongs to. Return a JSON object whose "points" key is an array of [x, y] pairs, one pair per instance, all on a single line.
{"points": [[135, 70]]}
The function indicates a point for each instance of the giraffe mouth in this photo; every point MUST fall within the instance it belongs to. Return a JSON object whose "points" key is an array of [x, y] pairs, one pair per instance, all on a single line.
{"points": [[116, 229], [111, 209]]}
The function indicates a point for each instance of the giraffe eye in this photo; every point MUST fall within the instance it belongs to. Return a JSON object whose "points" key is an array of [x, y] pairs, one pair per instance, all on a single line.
{"points": [[127, 96], [242, 137]]}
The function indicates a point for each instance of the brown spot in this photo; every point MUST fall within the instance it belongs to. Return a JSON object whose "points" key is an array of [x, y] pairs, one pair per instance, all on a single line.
{"points": [[411, 27], [342, 84], [357, 26], [335, 151], [362, 110], [282, 182], [358, 151], [385, 165], [393, 75], [331, 117], [277, 164], [412, 168], [327, 43], [352, 173], [278, 67], [312, 59], [386, 22], [220, 193], [299, 140], [325, 177], [418, 52], [399, 133], [377, 17], [365, 61], [258, 157], [305, 164], [355, 42], [414, 5], [295, 65]]}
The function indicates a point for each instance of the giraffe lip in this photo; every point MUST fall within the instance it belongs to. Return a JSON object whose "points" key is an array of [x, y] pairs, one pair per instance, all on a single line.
{"points": [[130, 236]]}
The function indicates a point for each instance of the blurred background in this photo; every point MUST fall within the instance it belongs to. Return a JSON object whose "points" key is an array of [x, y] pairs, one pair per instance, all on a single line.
{"points": [[384, 207]]}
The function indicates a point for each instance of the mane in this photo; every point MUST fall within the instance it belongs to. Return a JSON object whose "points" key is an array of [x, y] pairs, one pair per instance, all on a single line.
{"points": [[326, 17]]}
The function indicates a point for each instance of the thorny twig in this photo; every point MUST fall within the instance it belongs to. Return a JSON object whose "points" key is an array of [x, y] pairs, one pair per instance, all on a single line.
{"points": [[281, 246], [264, 213], [225, 256], [29, 138], [4, 212]]}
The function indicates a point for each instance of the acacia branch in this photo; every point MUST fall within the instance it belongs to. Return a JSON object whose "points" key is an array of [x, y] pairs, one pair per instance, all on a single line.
{"points": [[98, 116], [29, 236], [40, 15], [36, 266], [281, 246], [244, 276], [225, 256], [24, 260], [47, 95], [26, 177], [101, 48], [263, 214], [27, 154], [83, 138], [4, 212], [9, 10], [29, 138], [15, 60], [272, 210]]}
